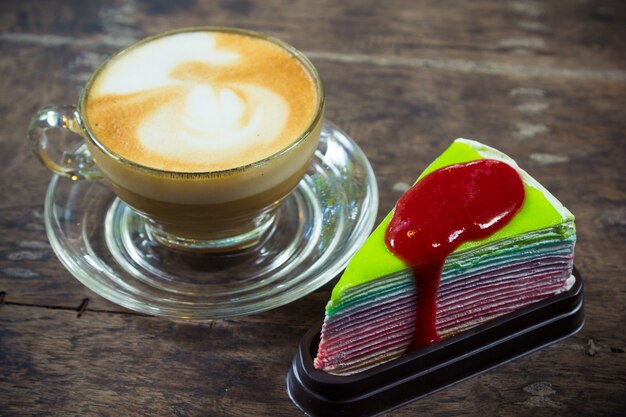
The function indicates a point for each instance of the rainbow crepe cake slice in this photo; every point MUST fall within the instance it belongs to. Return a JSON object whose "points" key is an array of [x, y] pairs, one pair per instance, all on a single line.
{"points": [[380, 307]]}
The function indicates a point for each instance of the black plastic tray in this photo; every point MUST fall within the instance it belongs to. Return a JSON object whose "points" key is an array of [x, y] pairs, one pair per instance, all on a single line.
{"points": [[435, 367]]}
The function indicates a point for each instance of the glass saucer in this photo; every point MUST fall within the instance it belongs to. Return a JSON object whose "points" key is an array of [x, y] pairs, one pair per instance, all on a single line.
{"points": [[317, 229]]}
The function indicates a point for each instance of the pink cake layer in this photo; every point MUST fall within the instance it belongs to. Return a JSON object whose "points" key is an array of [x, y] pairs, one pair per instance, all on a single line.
{"points": [[366, 336]]}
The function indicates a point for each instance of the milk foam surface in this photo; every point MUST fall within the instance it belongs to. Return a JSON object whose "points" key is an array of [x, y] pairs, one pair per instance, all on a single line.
{"points": [[201, 101]]}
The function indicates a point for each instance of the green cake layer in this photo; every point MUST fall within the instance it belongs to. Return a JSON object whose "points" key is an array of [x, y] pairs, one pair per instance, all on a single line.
{"points": [[541, 210]]}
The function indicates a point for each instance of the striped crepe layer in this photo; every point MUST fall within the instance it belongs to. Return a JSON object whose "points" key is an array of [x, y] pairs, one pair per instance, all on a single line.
{"points": [[374, 322]]}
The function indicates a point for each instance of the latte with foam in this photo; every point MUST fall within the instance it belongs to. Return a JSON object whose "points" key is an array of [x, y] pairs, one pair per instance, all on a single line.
{"points": [[204, 132], [201, 101]]}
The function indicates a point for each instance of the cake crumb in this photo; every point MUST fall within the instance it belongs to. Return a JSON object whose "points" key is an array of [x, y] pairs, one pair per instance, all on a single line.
{"points": [[401, 186]]}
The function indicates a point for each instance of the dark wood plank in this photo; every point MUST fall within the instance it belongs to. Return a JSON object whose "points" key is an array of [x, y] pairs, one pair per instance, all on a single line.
{"points": [[100, 366], [52, 360], [574, 34]]}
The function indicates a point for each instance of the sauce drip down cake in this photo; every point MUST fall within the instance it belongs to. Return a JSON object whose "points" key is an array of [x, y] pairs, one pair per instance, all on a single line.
{"points": [[474, 239]]}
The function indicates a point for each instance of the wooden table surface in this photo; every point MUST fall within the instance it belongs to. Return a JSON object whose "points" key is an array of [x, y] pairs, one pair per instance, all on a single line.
{"points": [[544, 82]]}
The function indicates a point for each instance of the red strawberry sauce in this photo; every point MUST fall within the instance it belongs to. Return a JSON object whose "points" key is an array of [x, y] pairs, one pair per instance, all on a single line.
{"points": [[449, 206]]}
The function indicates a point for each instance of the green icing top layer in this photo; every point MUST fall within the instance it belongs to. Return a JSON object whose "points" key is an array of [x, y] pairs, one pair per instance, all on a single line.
{"points": [[540, 210]]}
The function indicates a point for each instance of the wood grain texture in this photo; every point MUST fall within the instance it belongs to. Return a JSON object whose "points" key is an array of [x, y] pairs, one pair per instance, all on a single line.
{"points": [[545, 34], [115, 364], [544, 82]]}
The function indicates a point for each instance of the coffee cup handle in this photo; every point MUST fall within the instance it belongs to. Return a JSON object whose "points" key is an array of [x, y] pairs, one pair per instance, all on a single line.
{"points": [[76, 164]]}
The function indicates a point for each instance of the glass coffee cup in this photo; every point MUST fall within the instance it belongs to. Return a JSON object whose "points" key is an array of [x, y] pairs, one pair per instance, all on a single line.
{"points": [[207, 210]]}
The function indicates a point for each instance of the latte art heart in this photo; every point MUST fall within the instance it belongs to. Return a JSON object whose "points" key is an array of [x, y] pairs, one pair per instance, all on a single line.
{"points": [[201, 101], [211, 120]]}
